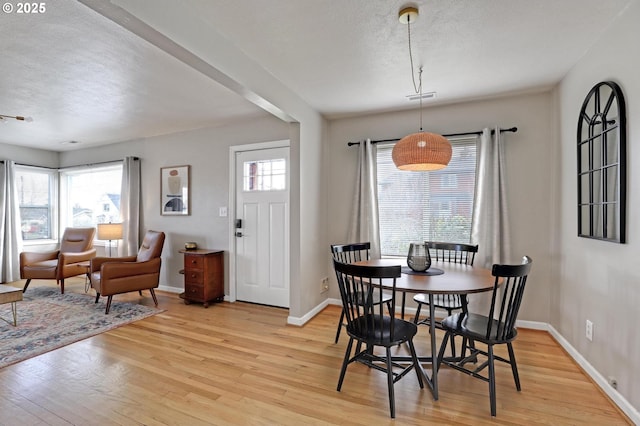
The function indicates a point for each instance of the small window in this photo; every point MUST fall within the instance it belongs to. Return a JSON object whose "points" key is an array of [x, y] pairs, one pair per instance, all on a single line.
{"points": [[36, 198], [265, 175]]}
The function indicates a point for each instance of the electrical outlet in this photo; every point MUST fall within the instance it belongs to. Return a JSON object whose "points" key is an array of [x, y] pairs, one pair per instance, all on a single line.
{"points": [[324, 285], [589, 331]]}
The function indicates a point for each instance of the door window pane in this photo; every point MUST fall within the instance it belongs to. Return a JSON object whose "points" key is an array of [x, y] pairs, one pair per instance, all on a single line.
{"points": [[265, 175]]}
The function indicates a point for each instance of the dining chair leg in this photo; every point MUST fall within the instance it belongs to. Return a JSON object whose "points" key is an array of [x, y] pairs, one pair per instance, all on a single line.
{"points": [[392, 405], [339, 325], [415, 319], [492, 380], [390, 308], [345, 362], [443, 347], [416, 363], [453, 346], [514, 366]]}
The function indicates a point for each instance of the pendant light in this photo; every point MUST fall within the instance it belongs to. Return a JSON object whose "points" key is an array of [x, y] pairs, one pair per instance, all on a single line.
{"points": [[422, 151]]}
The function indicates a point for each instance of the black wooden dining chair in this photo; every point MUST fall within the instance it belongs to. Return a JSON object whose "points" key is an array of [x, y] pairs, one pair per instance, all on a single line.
{"points": [[497, 326], [367, 323], [350, 253], [452, 253]]}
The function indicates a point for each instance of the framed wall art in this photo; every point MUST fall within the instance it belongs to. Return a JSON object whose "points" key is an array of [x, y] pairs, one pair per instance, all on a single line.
{"points": [[174, 191]]}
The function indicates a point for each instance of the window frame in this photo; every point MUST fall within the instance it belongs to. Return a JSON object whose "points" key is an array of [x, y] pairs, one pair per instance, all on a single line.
{"points": [[64, 194], [445, 184], [53, 203]]}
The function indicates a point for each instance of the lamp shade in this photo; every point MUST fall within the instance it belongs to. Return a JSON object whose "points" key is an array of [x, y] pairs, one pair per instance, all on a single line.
{"points": [[422, 152], [110, 231]]}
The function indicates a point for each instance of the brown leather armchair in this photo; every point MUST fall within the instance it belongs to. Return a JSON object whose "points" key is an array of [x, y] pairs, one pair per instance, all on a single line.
{"points": [[115, 275], [76, 249]]}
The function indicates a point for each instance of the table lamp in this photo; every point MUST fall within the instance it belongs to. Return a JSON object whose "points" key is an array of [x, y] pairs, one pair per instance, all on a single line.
{"points": [[110, 231]]}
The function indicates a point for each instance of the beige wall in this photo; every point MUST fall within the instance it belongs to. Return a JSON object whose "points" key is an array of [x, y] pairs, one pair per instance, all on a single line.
{"points": [[30, 156], [597, 280], [207, 152], [529, 177]]}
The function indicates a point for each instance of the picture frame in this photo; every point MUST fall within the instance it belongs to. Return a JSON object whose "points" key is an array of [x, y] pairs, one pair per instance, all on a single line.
{"points": [[174, 190]]}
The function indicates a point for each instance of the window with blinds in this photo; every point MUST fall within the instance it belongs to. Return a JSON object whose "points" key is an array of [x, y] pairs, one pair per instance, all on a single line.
{"points": [[426, 206]]}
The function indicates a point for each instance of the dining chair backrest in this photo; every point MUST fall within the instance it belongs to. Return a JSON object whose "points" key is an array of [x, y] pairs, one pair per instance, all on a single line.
{"points": [[366, 317], [350, 253], [508, 290], [452, 252]]}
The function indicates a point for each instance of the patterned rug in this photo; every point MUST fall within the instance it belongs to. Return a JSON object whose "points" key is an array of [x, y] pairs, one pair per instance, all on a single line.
{"points": [[48, 320]]}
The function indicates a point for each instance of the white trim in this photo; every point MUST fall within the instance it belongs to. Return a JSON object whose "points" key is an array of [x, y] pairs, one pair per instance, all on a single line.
{"points": [[534, 325], [300, 321], [595, 375], [233, 150], [170, 289], [178, 290], [615, 396]]}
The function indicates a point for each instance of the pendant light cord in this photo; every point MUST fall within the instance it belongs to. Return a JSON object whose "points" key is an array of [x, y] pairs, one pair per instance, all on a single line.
{"points": [[416, 87]]}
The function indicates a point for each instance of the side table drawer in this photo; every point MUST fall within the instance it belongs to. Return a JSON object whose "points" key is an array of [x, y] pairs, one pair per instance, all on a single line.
{"points": [[195, 292], [193, 262], [193, 276]]}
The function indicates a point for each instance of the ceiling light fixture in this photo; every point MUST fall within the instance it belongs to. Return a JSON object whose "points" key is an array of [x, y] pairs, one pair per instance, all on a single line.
{"points": [[3, 118], [422, 151]]}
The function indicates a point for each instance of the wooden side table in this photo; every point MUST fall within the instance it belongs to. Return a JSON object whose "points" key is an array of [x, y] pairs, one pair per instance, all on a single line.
{"points": [[11, 295], [203, 276]]}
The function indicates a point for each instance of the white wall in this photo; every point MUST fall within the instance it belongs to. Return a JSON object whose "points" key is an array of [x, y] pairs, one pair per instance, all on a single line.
{"points": [[527, 152], [598, 280], [207, 152], [30, 156]]}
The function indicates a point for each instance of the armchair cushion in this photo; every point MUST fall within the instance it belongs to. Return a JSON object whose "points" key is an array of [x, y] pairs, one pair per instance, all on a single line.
{"points": [[76, 249], [110, 276]]}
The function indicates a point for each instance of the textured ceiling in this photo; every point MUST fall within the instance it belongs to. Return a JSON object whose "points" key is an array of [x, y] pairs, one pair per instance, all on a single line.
{"points": [[83, 77]]}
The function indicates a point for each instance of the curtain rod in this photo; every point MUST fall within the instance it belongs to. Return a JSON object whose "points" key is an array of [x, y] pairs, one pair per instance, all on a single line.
{"points": [[79, 165], [511, 129]]}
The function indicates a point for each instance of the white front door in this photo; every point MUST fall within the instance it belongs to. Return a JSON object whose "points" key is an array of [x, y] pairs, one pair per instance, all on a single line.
{"points": [[262, 226]]}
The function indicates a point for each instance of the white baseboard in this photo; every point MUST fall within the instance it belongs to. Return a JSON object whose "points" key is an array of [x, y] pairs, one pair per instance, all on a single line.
{"points": [[178, 290], [300, 321], [170, 289], [615, 396], [624, 405]]}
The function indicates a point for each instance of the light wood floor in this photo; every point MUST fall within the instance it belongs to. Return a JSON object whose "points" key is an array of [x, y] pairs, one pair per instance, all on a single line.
{"points": [[238, 363]]}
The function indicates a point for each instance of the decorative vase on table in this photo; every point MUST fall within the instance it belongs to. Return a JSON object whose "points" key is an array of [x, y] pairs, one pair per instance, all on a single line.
{"points": [[419, 258]]}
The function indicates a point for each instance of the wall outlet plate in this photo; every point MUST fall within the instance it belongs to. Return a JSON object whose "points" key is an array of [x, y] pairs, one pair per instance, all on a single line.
{"points": [[589, 331]]}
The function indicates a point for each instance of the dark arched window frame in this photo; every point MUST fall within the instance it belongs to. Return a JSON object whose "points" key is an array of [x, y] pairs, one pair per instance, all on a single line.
{"points": [[602, 170]]}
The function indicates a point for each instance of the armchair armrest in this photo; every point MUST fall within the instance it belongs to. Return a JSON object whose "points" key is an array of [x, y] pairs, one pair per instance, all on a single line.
{"points": [[27, 257], [97, 262], [67, 258], [113, 270]]}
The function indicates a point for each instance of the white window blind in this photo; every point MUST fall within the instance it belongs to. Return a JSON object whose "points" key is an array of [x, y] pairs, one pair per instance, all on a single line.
{"points": [[426, 206]]}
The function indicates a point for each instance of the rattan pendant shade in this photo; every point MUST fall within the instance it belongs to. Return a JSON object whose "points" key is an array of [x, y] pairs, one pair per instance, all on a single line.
{"points": [[422, 152]]}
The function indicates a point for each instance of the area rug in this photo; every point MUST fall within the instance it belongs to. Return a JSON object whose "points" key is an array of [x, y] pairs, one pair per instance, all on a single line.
{"points": [[48, 320]]}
